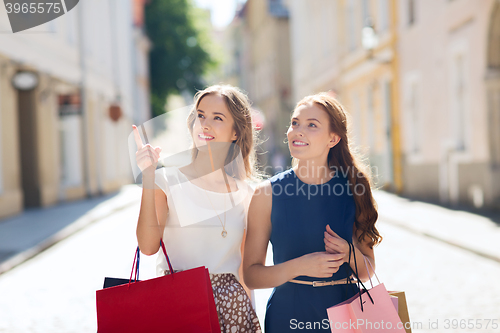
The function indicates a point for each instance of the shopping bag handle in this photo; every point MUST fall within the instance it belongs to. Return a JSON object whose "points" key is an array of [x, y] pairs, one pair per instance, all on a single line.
{"points": [[371, 266], [348, 272], [166, 256], [356, 275], [137, 258]]}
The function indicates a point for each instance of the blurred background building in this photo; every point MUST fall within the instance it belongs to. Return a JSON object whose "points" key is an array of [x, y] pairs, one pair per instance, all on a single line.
{"points": [[66, 137], [257, 59], [330, 53], [420, 80], [450, 112]]}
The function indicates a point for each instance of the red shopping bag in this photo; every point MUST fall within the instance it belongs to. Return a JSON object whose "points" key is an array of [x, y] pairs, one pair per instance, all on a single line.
{"points": [[369, 311], [179, 302]]}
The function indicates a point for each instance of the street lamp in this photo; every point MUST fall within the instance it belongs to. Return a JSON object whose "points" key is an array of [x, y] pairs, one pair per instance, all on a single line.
{"points": [[25, 80], [369, 38]]}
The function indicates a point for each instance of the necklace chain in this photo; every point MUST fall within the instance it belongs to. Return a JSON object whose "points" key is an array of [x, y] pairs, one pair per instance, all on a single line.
{"points": [[224, 231]]}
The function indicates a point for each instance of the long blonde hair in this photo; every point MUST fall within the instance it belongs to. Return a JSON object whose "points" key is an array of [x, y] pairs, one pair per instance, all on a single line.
{"points": [[344, 156], [239, 106]]}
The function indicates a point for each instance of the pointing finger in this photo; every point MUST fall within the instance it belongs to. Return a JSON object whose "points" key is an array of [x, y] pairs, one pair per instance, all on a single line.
{"points": [[137, 137], [147, 150]]}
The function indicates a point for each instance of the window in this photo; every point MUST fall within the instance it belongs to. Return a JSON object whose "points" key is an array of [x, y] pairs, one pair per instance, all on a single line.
{"points": [[388, 156], [70, 137], [329, 31], [411, 12], [70, 21], [351, 25], [414, 119], [384, 14], [494, 126], [365, 13], [371, 115], [459, 89]]}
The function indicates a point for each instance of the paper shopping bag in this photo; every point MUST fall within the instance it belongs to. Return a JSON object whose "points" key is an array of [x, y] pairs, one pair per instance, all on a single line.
{"points": [[402, 309], [179, 302], [394, 300], [371, 312]]}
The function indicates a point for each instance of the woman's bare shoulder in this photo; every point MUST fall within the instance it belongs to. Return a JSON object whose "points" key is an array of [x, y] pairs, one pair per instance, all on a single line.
{"points": [[263, 193]]}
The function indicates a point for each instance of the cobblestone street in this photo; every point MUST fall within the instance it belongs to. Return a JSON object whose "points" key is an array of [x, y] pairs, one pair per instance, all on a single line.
{"points": [[441, 282], [55, 291]]}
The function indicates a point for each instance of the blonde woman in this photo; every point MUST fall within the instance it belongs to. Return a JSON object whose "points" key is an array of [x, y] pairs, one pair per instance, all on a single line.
{"points": [[199, 210]]}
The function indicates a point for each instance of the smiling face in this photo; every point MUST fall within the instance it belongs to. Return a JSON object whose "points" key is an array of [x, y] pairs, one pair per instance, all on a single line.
{"points": [[214, 122], [309, 136]]}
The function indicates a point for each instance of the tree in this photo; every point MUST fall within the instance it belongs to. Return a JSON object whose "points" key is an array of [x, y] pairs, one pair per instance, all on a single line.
{"points": [[181, 53]]}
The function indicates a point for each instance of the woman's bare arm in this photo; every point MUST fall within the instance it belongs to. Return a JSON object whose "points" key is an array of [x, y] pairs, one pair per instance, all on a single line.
{"points": [[257, 275], [154, 207], [152, 216]]}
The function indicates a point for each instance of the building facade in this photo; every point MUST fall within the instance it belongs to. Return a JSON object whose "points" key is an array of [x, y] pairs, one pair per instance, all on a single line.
{"points": [[258, 46], [329, 55], [420, 81], [449, 100], [424, 100], [66, 139]]}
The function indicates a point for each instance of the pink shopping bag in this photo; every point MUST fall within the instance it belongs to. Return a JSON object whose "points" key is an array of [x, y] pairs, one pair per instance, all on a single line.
{"points": [[369, 311], [374, 317]]}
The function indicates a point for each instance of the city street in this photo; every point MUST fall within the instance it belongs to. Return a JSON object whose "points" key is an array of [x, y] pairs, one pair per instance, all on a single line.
{"points": [[55, 291], [402, 94]]}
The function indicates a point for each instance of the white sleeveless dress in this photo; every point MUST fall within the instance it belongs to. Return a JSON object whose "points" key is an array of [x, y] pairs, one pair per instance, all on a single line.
{"points": [[193, 238]]}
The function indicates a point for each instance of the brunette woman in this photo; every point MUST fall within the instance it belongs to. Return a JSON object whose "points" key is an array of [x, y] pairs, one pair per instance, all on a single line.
{"points": [[311, 213]]}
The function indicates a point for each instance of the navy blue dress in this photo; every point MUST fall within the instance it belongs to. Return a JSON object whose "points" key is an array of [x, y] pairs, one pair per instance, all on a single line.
{"points": [[300, 213]]}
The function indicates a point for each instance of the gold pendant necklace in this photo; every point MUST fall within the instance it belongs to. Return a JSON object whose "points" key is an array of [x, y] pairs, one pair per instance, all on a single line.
{"points": [[224, 231]]}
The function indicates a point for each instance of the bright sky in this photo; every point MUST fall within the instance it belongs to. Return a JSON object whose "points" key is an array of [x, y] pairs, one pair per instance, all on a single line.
{"points": [[222, 10]]}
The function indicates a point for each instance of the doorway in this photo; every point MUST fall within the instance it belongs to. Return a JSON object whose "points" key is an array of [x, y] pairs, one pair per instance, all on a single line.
{"points": [[30, 177], [493, 99]]}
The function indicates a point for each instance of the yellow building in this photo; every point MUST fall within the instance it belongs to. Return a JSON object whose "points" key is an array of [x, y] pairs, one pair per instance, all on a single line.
{"points": [[328, 55], [369, 83], [421, 82]]}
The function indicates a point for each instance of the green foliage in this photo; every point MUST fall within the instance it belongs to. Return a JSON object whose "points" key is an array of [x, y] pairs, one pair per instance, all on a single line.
{"points": [[181, 52]]}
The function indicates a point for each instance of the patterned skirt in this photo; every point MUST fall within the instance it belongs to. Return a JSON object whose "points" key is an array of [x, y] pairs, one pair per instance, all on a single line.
{"points": [[234, 308]]}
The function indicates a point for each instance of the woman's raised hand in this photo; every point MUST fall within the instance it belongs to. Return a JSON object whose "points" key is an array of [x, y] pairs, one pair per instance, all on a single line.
{"points": [[146, 156], [336, 244], [319, 264]]}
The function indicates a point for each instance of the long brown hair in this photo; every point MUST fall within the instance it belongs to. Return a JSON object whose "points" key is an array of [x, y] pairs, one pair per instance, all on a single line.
{"points": [[345, 157], [240, 108]]}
